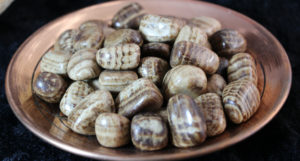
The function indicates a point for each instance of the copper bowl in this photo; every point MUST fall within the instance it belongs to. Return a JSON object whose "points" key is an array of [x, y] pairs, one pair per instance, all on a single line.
{"points": [[45, 121]]}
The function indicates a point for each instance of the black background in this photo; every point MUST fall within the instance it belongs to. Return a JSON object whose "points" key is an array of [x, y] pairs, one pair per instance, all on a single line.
{"points": [[279, 140]]}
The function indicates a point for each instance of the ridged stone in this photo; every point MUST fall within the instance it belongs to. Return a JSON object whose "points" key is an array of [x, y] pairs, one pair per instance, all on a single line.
{"points": [[241, 100]]}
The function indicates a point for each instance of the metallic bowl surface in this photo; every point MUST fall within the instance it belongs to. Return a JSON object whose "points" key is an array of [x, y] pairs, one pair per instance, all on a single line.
{"points": [[45, 121]]}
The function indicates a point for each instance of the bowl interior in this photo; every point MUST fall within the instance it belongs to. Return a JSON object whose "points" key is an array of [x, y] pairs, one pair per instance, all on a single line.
{"points": [[45, 120]]}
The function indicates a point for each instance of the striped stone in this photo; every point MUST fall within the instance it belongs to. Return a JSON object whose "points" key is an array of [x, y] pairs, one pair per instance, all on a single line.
{"points": [[112, 130], [242, 66], [74, 94], [192, 34], [123, 36], [55, 62], [83, 65], [207, 24], [140, 95], [115, 81], [89, 36], [149, 132], [186, 120], [153, 68], [212, 108], [241, 100], [128, 17], [66, 40], [84, 115], [156, 28], [120, 57], [185, 79], [189, 53]]}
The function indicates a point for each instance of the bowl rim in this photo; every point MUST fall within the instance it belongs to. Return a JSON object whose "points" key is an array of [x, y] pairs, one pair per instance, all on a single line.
{"points": [[74, 150]]}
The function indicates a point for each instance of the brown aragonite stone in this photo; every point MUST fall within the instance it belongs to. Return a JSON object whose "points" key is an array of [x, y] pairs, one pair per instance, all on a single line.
{"points": [[141, 95], [149, 132], [50, 87], [192, 34], [242, 66], [186, 120], [241, 100], [212, 108], [66, 41], [84, 115], [90, 36], [112, 130], [55, 61], [83, 66], [123, 36], [128, 17], [75, 93], [227, 42], [185, 79], [153, 68], [115, 81], [156, 49], [156, 28], [189, 53], [120, 57], [207, 24]]}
